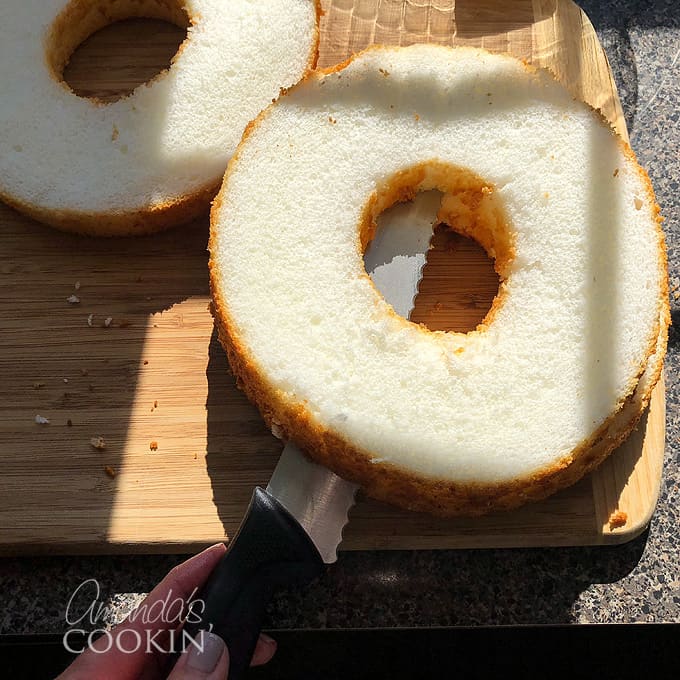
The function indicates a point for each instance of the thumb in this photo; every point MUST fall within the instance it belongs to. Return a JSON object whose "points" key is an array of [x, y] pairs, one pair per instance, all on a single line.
{"points": [[206, 658]]}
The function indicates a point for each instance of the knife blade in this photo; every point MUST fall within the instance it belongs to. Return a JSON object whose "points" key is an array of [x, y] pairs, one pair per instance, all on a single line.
{"points": [[295, 526]]}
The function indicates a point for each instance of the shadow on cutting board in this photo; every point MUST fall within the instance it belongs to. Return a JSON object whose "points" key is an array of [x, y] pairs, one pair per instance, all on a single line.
{"points": [[475, 19]]}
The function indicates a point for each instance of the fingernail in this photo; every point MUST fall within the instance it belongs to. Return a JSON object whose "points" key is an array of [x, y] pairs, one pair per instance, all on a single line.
{"points": [[204, 655], [265, 638]]}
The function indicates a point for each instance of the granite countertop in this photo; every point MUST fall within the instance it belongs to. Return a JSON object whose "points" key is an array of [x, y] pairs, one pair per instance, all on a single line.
{"points": [[635, 582]]}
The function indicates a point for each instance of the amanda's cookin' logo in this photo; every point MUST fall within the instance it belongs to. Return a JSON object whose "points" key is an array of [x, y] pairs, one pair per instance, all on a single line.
{"points": [[161, 628]]}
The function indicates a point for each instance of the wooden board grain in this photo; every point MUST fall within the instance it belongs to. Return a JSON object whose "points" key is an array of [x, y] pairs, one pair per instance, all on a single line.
{"points": [[157, 374]]}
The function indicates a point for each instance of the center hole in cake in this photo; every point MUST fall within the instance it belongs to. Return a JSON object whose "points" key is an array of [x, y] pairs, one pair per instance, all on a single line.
{"points": [[458, 286], [103, 51], [469, 251]]}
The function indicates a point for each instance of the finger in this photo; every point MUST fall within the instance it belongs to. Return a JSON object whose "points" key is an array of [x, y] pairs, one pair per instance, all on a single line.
{"points": [[161, 610], [205, 659], [264, 650], [165, 604]]}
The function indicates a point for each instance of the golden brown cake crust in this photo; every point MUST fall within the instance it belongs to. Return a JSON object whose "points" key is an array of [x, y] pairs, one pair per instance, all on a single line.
{"points": [[148, 221], [399, 486]]}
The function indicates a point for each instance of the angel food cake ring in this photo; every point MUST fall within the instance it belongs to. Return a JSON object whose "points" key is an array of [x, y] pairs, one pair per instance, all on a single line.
{"points": [[562, 366], [156, 157]]}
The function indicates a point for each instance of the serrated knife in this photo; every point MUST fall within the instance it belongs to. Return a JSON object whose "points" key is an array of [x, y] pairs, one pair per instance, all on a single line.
{"points": [[294, 527]]}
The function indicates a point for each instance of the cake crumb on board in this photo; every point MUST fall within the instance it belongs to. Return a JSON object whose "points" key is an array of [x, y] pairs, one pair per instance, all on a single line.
{"points": [[109, 471], [153, 445], [617, 519], [98, 443]]}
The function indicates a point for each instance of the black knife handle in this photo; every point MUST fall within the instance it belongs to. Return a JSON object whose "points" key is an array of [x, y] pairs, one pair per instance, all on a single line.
{"points": [[270, 550]]}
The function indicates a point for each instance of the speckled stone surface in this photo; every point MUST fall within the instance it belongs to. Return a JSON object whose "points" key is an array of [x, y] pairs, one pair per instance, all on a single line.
{"points": [[636, 582]]}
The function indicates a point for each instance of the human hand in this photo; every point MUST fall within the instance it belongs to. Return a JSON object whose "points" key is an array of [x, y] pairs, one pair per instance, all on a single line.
{"points": [[106, 661]]}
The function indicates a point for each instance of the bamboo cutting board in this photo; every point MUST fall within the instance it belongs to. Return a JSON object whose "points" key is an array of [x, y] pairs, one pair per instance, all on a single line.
{"points": [[155, 377]]}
